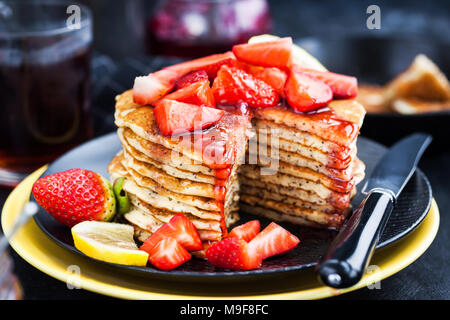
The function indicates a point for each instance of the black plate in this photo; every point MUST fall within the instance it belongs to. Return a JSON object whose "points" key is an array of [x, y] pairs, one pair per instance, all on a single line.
{"points": [[95, 155], [377, 60]]}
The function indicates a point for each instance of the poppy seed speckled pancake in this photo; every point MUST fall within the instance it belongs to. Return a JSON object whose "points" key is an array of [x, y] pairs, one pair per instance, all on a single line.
{"points": [[296, 136], [169, 200], [338, 123], [332, 220], [285, 180], [162, 154]]}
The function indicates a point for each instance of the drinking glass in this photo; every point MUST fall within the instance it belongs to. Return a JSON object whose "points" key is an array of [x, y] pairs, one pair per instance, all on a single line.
{"points": [[45, 52]]}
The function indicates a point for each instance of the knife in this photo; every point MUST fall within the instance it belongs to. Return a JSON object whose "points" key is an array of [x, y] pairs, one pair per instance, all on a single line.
{"points": [[350, 252]]}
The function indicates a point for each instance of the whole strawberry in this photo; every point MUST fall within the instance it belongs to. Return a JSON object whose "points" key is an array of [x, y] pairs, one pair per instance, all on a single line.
{"points": [[76, 195]]}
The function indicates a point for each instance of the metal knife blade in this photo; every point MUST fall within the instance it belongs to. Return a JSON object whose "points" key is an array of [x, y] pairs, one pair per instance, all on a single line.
{"points": [[398, 165]]}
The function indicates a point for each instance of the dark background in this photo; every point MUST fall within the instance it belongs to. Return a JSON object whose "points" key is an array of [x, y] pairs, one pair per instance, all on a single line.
{"points": [[118, 33]]}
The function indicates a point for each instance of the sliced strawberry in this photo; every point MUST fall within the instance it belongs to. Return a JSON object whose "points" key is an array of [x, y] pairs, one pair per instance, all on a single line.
{"points": [[273, 240], [305, 93], [232, 253], [192, 77], [173, 117], [153, 87], [274, 77], [198, 93], [246, 231], [343, 86], [210, 64], [179, 228], [275, 53], [233, 86], [168, 254]]}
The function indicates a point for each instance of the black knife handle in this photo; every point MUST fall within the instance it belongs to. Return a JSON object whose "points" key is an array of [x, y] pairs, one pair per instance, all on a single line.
{"points": [[349, 254]]}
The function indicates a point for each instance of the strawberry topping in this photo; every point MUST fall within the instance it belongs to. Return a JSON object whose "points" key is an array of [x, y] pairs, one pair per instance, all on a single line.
{"points": [[273, 240], [168, 254], [173, 117], [198, 93], [192, 77], [343, 87], [179, 228], [246, 231], [275, 53], [233, 86], [274, 77], [305, 93], [232, 253], [153, 87]]}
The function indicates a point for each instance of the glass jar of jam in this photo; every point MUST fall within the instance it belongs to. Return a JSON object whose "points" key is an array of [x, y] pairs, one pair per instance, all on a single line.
{"points": [[188, 28]]}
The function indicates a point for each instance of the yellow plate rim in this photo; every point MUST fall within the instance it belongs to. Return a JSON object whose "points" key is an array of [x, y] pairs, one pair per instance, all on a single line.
{"points": [[390, 259]]}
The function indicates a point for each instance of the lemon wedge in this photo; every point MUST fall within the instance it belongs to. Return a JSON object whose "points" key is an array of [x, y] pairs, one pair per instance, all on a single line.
{"points": [[110, 242], [300, 56]]}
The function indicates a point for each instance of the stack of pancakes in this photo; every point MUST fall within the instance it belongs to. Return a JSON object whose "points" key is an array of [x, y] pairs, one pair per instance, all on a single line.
{"points": [[194, 173], [302, 168]]}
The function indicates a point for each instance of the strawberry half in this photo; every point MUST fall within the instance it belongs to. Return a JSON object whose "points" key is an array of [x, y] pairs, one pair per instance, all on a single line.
{"points": [[305, 93], [232, 253], [274, 77], [273, 240], [343, 86], [148, 89], [275, 53], [75, 195], [192, 77], [173, 117], [153, 87], [168, 254], [246, 231], [233, 86], [179, 228], [198, 93]]}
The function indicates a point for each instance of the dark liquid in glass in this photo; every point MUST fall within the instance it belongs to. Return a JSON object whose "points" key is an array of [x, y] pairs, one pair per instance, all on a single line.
{"points": [[45, 110]]}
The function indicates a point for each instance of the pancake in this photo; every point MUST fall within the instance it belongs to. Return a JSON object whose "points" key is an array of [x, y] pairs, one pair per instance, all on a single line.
{"points": [[276, 216], [372, 97], [198, 202], [219, 146], [116, 168], [414, 106], [130, 151], [275, 196], [339, 122], [422, 80], [340, 203], [335, 184], [142, 221], [171, 183], [162, 154], [304, 138], [298, 160], [316, 216], [289, 181]]}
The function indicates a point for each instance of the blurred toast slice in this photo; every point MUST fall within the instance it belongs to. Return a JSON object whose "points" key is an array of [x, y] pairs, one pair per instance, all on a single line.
{"points": [[414, 105], [422, 80]]}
